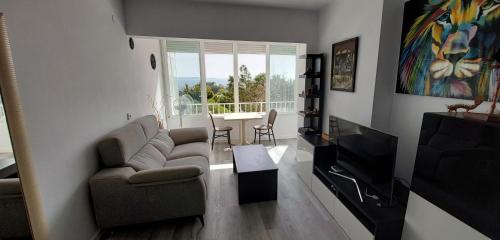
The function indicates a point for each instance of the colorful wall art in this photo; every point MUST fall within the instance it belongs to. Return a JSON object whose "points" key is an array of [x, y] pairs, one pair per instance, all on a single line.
{"points": [[447, 48]]}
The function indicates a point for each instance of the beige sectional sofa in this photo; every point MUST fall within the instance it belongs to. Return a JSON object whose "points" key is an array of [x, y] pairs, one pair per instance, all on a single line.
{"points": [[13, 218], [150, 174]]}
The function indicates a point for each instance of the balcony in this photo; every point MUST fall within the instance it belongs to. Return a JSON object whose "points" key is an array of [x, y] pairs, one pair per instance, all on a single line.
{"points": [[223, 108]]}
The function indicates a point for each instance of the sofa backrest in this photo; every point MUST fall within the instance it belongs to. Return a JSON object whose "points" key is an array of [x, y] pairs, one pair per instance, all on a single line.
{"points": [[127, 146], [149, 125], [120, 145]]}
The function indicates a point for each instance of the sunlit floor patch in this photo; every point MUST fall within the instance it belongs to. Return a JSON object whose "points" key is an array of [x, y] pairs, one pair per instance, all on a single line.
{"points": [[221, 166], [277, 152]]}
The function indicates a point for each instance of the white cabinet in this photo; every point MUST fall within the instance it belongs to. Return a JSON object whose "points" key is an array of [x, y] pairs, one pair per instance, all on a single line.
{"points": [[324, 195], [304, 157], [349, 223], [425, 220]]}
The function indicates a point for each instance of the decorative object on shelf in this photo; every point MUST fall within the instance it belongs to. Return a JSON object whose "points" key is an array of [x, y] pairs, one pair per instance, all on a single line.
{"points": [[496, 66], [131, 43], [344, 58], [493, 115], [325, 136], [452, 63], [477, 101], [152, 59]]}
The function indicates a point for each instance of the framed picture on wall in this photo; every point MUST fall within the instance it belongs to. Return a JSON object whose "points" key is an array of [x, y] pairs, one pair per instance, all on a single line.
{"points": [[447, 48], [343, 71]]}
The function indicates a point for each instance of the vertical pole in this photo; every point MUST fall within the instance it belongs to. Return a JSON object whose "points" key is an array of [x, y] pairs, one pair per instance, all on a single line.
{"points": [[203, 88], [19, 137], [268, 78], [236, 78]]}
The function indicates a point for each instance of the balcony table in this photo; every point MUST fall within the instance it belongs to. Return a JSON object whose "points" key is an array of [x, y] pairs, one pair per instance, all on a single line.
{"points": [[243, 117]]}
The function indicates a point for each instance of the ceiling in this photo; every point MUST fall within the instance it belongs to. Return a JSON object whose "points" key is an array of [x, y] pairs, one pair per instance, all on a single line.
{"points": [[299, 4]]}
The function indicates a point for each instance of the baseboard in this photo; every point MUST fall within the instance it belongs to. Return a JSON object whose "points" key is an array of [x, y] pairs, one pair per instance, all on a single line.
{"points": [[97, 235]]}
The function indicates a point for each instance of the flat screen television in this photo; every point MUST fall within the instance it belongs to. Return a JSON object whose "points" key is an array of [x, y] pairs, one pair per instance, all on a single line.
{"points": [[367, 154]]}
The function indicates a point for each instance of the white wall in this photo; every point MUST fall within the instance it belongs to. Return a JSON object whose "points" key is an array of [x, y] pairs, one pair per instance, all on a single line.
{"points": [[77, 80], [341, 20], [424, 220], [402, 112], [190, 19], [390, 35]]}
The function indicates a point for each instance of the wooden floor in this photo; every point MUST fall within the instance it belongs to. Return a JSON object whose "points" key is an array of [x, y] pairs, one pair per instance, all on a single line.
{"points": [[297, 214]]}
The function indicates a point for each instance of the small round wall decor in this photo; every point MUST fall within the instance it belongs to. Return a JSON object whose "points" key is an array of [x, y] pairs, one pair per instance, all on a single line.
{"points": [[131, 43], [152, 59]]}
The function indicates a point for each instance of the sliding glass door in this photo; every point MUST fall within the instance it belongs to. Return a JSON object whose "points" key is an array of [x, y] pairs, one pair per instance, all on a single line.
{"points": [[185, 85], [219, 72], [252, 77], [282, 75]]}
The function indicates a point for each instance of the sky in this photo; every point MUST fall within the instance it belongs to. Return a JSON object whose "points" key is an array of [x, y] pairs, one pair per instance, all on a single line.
{"points": [[220, 66]]}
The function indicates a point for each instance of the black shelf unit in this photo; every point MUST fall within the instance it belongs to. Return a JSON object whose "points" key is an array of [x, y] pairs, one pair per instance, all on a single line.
{"points": [[384, 222], [313, 95]]}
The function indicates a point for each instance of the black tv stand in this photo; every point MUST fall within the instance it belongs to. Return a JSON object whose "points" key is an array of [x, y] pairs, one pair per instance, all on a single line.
{"points": [[382, 220]]}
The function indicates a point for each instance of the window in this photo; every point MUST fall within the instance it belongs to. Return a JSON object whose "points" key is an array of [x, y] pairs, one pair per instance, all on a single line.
{"points": [[234, 76], [183, 59], [219, 72], [252, 77], [282, 72]]}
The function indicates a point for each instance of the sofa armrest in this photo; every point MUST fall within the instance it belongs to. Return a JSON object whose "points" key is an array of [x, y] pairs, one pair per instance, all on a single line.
{"points": [[10, 187], [189, 135], [112, 177], [166, 174]]}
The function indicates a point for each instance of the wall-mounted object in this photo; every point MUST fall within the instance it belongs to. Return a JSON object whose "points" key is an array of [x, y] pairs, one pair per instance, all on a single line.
{"points": [[131, 43], [445, 48], [152, 59], [343, 71]]}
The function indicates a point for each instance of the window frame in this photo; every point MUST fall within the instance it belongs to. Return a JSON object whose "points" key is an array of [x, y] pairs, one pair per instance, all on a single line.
{"points": [[299, 47]]}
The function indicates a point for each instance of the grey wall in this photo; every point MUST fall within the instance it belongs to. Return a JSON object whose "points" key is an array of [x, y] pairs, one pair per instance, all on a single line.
{"points": [[188, 19], [390, 34], [345, 19], [77, 80]]}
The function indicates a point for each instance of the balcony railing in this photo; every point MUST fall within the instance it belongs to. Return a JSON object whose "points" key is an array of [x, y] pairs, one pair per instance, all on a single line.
{"points": [[223, 108]]}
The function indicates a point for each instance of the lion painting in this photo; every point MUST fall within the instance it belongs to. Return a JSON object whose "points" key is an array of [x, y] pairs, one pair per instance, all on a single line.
{"points": [[448, 47]]}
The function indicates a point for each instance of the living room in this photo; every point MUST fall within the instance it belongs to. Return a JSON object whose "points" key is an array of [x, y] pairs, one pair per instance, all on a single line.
{"points": [[77, 74]]}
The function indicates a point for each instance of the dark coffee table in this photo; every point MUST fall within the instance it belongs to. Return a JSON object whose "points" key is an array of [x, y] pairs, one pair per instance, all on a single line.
{"points": [[257, 174]]}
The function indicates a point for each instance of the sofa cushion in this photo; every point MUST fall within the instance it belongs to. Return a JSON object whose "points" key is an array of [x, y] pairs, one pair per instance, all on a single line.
{"points": [[147, 158], [120, 145], [149, 125], [163, 142], [190, 150]]}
